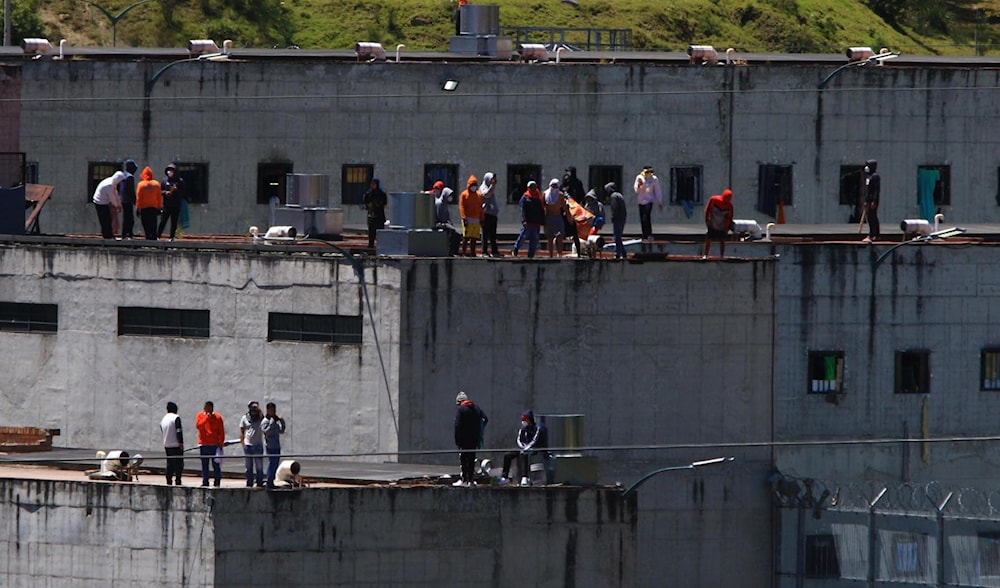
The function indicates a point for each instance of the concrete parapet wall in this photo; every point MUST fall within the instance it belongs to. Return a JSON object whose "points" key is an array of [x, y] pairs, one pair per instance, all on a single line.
{"points": [[95, 534]]}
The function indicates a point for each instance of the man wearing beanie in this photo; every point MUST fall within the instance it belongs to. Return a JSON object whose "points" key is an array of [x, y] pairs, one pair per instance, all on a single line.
{"points": [[126, 193], [530, 438], [469, 423]]}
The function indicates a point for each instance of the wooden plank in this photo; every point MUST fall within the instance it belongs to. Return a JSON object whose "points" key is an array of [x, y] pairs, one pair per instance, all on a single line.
{"points": [[35, 197]]}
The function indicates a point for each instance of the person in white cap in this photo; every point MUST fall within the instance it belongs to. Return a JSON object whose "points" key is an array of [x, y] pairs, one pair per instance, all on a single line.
{"points": [[105, 198], [555, 206], [647, 191]]}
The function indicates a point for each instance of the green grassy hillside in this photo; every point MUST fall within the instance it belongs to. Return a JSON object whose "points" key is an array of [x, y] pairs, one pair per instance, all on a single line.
{"points": [[810, 26]]}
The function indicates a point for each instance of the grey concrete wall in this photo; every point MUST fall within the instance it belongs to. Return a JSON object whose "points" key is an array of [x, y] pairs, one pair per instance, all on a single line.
{"points": [[652, 354], [941, 298], [320, 115], [108, 391], [101, 534]]}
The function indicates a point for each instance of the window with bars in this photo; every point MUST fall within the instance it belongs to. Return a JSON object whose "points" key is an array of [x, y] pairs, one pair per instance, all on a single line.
{"points": [[314, 328], [826, 372], [24, 317], [989, 369], [821, 557], [163, 322], [355, 180], [913, 371]]}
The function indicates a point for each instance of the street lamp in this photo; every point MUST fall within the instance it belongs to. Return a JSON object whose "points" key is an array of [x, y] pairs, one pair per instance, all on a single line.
{"points": [[114, 18], [942, 234], [859, 57], [690, 466]]}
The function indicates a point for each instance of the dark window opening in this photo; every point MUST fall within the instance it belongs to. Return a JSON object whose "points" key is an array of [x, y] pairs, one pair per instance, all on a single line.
{"points": [[162, 322], [444, 172], [852, 185], [821, 557], [989, 369], [933, 187], [685, 186], [908, 554], [774, 188], [97, 171], [600, 175], [272, 181], [195, 176], [826, 372], [518, 176], [29, 318], [989, 554], [355, 180], [13, 169], [913, 372], [314, 328]]}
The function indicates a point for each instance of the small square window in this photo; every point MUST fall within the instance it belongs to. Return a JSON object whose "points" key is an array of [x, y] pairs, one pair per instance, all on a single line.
{"points": [[600, 175], [913, 372], [272, 181], [774, 188], [852, 185], [821, 557], [518, 176], [685, 186], [13, 170], [355, 180], [97, 171], [444, 172], [195, 176], [934, 181], [826, 372], [989, 369]]}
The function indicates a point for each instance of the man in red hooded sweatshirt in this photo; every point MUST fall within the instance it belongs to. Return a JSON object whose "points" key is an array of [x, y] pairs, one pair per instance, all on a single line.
{"points": [[718, 220]]}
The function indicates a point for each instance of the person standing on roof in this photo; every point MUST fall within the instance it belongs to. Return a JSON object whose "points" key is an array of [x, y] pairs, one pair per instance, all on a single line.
{"points": [[555, 208], [148, 202], [173, 190], [273, 427], [106, 200], [647, 191], [619, 214], [532, 218], [252, 440], [126, 193], [873, 189], [211, 440], [173, 443], [718, 220], [470, 208], [442, 215], [375, 201], [491, 215], [470, 421]]}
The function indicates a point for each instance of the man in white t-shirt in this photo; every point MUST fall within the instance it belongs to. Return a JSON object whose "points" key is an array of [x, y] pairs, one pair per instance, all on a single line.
{"points": [[173, 444]]}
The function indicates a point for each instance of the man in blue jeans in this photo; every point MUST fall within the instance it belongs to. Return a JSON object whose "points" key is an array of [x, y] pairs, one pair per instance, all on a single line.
{"points": [[252, 439], [273, 427]]}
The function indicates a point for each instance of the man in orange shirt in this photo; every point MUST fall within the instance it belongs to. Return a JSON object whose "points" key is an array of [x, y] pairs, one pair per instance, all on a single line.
{"points": [[211, 440], [470, 208], [148, 202]]}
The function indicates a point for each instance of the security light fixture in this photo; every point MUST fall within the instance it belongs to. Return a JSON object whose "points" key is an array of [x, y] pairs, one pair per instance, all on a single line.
{"points": [[945, 233], [690, 466], [703, 55], [36, 46], [942, 234], [202, 47], [450, 85], [369, 51], [533, 52]]}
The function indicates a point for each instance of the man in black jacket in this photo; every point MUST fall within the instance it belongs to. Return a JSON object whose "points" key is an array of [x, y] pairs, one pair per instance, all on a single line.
{"points": [[470, 421]]}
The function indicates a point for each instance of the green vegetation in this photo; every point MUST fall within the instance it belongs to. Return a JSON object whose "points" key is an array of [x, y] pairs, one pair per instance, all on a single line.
{"points": [[952, 27]]}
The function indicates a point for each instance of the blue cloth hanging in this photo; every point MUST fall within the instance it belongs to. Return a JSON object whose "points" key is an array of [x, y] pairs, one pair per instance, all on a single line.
{"points": [[927, 180]]}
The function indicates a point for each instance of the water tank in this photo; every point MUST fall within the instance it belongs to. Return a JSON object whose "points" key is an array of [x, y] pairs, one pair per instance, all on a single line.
{"points": [[565, 432], [480, 19], [307, 190], [411, 210]]}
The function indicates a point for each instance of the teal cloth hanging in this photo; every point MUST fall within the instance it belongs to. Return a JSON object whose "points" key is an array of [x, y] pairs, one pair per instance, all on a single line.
{"points": [[927, 180]]}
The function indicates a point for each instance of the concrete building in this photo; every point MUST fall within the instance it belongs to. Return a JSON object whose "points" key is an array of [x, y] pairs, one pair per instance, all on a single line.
{"points": [[765, 130]]}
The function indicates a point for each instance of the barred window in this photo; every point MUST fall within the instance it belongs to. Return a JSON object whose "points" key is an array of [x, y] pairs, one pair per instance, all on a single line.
{"points": [[314, 328], [29, 318], [162, 322]]}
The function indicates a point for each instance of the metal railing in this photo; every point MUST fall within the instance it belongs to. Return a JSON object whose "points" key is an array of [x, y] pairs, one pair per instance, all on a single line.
{"points": [[579, 39]]}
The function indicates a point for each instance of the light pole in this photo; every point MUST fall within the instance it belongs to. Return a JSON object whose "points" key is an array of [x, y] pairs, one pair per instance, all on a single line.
{"points": [[876, 59], [942, 234], [114, 18], [147, 115], [690, 466]]}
